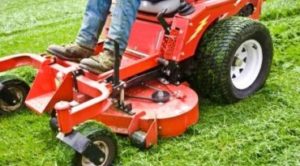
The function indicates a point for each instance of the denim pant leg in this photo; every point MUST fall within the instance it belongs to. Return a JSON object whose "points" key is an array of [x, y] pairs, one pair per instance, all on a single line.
{"points": [[123, 18], [93, 21]]}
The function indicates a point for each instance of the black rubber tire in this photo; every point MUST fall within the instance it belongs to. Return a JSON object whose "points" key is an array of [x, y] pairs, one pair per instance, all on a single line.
{"points": [[97, 133], [215, 55], [138, 139], [53, 124], [16, 85]]}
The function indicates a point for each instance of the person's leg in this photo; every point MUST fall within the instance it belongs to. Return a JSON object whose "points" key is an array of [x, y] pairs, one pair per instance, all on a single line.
{"points": [[93, 21], [123, 18]]}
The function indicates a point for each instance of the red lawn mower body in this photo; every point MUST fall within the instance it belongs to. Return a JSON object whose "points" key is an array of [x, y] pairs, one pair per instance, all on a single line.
{"points": [[78, 97]]}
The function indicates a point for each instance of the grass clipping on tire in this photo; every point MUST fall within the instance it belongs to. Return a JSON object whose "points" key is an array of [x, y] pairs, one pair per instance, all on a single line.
{"points": [[215, 56]]}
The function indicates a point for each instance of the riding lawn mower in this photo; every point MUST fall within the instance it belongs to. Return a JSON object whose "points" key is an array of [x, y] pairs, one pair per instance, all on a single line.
{"points": [[178, 49]]}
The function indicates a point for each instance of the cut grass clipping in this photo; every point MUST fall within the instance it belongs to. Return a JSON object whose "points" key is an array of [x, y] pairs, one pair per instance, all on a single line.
{"points": [[261, 130]]}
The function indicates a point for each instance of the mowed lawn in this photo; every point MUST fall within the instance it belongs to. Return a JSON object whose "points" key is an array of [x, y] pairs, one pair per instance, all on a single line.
{"points": [[261, 130]]}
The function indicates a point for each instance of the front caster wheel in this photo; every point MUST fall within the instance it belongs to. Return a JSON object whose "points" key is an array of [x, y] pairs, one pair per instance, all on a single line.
{"points": [[105, 141], [13, 92]]}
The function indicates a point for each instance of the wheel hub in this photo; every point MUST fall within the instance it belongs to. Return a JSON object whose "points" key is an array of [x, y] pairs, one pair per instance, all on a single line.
{"points": [[237, 62], [16, 103], [104, 148], [246, 64]]}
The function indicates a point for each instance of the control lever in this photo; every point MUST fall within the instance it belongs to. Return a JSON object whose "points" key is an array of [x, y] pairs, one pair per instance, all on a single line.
{"points": [[119, 86], [163, 22], [116, 78]]}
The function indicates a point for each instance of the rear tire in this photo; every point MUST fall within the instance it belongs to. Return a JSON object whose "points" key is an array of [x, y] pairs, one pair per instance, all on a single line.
{"points": [[223, 74]]}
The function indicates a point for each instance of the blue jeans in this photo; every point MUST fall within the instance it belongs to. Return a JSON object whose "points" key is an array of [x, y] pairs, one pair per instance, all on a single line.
{"points": [[94, 19]]}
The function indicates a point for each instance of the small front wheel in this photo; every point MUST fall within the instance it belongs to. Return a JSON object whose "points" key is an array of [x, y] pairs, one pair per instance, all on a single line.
{"points": [[13, 92], [106, 142]]}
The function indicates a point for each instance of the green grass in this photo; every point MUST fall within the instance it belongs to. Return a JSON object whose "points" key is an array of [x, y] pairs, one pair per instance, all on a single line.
{"points": [[261, 130]]}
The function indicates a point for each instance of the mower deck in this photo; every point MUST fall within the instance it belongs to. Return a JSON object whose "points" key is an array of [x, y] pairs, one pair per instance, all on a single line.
{"points": [[172, 117], [77, 97]]}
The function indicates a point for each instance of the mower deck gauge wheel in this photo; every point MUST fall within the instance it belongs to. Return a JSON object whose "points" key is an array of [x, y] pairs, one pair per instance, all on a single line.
{"points": [[138, 139]]}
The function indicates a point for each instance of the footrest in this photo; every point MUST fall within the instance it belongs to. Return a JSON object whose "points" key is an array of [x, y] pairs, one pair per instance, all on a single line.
{"points": [[39, 103]]}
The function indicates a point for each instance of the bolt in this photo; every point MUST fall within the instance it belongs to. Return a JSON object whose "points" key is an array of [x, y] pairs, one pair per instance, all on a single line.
{"points": [[164, 81], [168, 72], [160, 94], [101, 159]]}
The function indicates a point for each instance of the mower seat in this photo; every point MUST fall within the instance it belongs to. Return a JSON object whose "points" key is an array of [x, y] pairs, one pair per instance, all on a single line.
{"points": [[148, 6]]}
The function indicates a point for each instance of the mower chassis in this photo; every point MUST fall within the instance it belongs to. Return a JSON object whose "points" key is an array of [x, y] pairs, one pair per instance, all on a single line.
{"points": [[78, 96]]}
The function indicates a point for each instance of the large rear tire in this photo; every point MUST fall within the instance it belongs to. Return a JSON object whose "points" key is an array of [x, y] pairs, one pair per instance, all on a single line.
{"points": [[234, 59]]}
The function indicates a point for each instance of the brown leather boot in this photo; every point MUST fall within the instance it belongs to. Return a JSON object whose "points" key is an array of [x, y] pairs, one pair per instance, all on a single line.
{"points": [[72, 52], [104, 62]]}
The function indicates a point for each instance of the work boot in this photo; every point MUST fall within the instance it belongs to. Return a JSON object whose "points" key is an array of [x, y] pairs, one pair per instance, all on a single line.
{"points": [[104, 62], [72, 52]]}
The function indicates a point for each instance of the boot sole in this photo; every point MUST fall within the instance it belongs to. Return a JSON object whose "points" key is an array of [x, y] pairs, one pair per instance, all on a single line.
{"points": [[90, 69], [61, 56]]}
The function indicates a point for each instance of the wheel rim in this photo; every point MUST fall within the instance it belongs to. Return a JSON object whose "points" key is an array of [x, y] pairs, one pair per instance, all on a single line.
{"points": [[247, 64], [11, 108], [104, 148]]}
